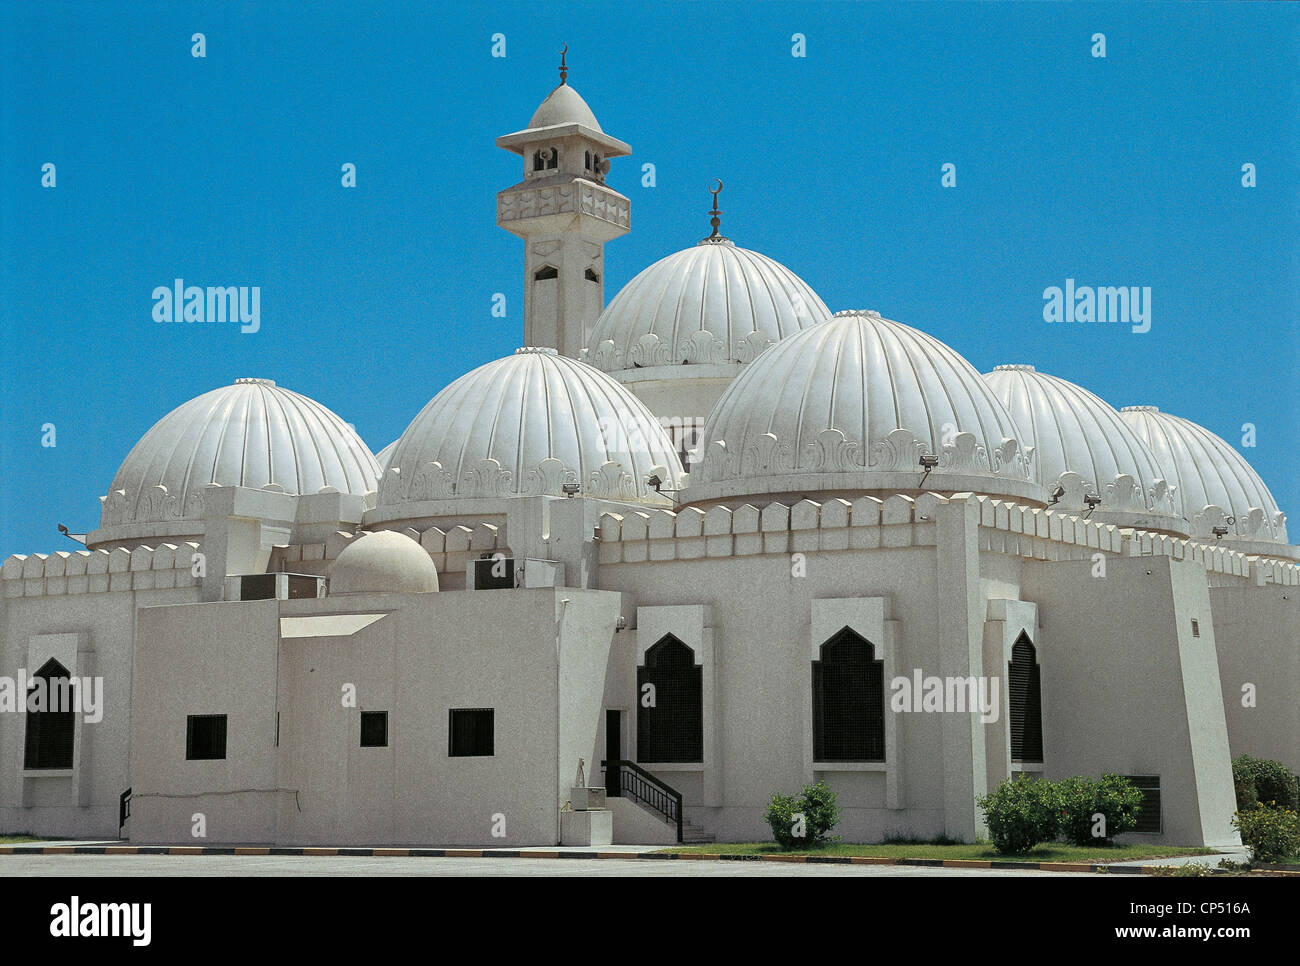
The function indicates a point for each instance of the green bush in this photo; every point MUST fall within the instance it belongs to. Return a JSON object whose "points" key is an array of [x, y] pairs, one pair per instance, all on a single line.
{"points": [[815, 810], [1243, 783], [1080, 800], [1274, 784], [1273, 834], [1020, 813]]}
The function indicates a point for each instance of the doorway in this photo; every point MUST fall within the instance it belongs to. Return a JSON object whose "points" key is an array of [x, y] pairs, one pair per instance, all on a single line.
{"points": [[613, 752]]}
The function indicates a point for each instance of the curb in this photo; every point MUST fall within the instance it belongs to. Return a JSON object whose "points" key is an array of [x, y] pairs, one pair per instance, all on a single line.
{"points": [[382, 852]]}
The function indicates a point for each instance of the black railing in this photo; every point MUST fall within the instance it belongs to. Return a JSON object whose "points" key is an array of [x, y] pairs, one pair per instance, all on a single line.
{"points": [[636, 783], [123, 810]]}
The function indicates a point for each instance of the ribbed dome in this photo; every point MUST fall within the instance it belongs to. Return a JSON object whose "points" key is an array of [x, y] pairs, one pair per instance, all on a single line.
{"points": [[711, 303], [1082, 446], [564, 105], [382, 456], [1214, 481], [853, 404], [383, 562], [251, 434], [526, 425]]}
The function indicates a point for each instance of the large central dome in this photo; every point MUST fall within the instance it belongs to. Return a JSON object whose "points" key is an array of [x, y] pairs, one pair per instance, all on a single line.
{"points": [[853, 404], [712, 303], [527, 425]]}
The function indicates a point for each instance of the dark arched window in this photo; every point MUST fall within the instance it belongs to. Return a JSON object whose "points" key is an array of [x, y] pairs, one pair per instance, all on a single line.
{"points": [[538, 162], [588, 160], [848, 696], [552, 156], [673, 728], [545, 272], [1026, 703], [50, 731], [591, 276]]}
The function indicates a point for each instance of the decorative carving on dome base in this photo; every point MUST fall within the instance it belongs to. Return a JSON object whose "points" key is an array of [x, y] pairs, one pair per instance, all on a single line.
{"points": [[648, 351], [154, 505], [612, 483], [751, 347], [1254, 524], [831, 452], [964, 455], [701, 348], [899, 452], [488, 479], [548, 478]]}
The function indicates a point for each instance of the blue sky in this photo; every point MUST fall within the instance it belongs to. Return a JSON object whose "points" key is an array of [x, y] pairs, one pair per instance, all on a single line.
{"points": [[226, 170]]}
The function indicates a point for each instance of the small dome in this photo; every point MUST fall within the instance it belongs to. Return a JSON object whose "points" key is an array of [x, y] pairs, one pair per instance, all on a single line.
{"points": [[1083, 447], [252, 434], [528, 425], [711, 303], [853, 404], [1214, 481], [383, 562], [564, 105]]}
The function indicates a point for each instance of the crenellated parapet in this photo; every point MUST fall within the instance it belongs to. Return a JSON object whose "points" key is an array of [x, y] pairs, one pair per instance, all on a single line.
{"points": [[163, 567], [868, 523]]}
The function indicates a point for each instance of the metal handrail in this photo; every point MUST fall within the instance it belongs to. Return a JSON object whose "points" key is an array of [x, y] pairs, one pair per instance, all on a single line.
{"points": [[650, 790], [123, 810]]}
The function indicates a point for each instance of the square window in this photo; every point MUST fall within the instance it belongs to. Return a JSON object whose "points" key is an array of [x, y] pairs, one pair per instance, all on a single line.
{"points": [[374, 729], [205, 737], [471, 733]]}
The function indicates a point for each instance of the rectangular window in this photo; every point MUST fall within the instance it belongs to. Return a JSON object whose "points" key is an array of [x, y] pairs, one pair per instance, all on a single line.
{"points": [[1149, 819], [205, 737], [374, 729], [1196, 629], [471, 733]]}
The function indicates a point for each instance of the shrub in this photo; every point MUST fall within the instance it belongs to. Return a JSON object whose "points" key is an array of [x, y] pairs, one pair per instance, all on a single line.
{"points": [[1020, 813], [1243, 783], [1080, 800], [1273, 834], [1273, 781], [819, 815]]}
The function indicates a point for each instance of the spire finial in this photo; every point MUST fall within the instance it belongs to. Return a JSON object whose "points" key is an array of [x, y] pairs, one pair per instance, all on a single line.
{"points": [[715, 221], [564, 70]]}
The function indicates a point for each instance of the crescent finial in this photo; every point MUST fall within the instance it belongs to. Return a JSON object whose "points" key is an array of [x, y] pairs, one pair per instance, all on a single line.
{"points": [[715, 220], [564, 70]]}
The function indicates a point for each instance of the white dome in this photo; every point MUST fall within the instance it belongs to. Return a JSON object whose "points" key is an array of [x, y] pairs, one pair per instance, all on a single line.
{"points": [[382, 456], [526, 425], [1082, 446], [1214, 481], [251, 434], [383, 562], [711, 303], [852, 404], [564, 105]]}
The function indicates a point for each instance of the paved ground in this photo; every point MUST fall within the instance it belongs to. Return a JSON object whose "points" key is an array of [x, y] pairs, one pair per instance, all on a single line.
{"points": [[272, 865]]}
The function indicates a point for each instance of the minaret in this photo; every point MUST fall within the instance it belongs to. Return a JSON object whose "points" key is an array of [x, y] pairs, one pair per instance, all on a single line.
{"points": [[565, 213]]}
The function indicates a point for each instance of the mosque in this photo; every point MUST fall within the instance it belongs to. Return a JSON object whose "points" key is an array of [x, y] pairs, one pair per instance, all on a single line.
{"points": [[670, 557]]}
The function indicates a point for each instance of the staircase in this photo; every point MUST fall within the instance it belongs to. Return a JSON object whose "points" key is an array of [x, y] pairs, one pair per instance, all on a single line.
{"points": [[629, 780]]}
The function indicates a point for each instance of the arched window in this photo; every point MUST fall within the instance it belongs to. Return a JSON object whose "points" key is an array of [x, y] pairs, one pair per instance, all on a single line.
{"points": [[545, 272], [673, 728], [552, 156], [538, 162], [588, 160], [848, 697], [590, 275], [49, 730], [1026, 703]]}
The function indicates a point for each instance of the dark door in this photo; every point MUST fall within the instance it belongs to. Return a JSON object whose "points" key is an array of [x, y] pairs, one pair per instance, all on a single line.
{"points": [[613, 753]]}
